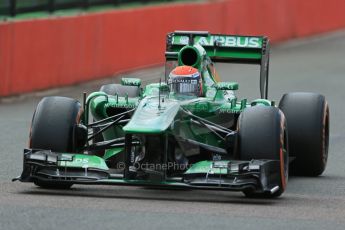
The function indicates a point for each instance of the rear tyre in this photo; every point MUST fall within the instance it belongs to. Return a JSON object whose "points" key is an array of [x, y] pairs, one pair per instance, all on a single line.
{"points": [[263, 135], [121, 90], [52, 129], [307, 116]]}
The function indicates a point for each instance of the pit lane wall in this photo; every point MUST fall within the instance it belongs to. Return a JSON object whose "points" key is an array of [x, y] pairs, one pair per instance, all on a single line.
{"points": [[56, 51]]}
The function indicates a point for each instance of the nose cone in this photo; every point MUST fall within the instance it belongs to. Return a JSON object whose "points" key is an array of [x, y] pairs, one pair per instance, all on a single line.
{"points": [[152, 118]]}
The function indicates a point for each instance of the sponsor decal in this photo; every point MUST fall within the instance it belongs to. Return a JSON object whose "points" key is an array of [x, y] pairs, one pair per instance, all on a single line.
{"points": [[225, 41], [81, 161], [184, 40], [180, 80], [190, 80], [230, 41]]}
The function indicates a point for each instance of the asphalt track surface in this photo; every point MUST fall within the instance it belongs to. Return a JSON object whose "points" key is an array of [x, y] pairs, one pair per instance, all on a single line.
{"points": [[314, 64]]}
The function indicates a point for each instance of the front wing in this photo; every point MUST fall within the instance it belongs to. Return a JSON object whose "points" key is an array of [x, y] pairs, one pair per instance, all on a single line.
{"points": [[255, 175]]}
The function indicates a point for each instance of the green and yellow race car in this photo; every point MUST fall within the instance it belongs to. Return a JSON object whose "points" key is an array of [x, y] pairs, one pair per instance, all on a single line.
{"points": [[189, 130]]}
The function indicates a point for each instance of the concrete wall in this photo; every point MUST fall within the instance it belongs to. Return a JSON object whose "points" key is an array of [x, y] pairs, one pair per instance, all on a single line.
{"points": [[56, 51]]}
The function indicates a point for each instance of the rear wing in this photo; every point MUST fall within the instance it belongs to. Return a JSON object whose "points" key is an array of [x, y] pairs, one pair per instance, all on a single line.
{"points": [[226, 48]]}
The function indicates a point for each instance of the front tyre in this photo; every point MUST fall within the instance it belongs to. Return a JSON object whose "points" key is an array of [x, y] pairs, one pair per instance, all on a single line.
{"points": [[52, 128], [263, 135], [50, 185]]}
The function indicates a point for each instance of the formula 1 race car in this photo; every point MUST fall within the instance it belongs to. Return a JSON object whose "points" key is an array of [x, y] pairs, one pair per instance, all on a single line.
{"points": [[184, 132]]}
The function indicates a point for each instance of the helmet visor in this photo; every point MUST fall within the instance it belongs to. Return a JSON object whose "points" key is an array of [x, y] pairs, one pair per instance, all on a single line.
{"points": [[189, 86]]}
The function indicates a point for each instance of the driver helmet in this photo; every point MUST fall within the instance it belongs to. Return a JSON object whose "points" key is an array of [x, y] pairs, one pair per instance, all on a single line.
{"points": [[185, 80]]}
